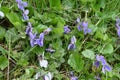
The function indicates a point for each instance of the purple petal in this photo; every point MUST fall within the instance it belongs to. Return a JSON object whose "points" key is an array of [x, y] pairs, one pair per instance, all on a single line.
{"points": [[66, 29], [40, 40], [32, 36], [71, 46], [18, 1], [25, 4], [107, 68], [50, 50], [97, 63], [28, 30], [74, 78], [84, 24], [25, 17], [78, 20], [32, 42], [79, 28], [101, 59], [47, 31], [103, 69], [118, 31], [73, 40]]}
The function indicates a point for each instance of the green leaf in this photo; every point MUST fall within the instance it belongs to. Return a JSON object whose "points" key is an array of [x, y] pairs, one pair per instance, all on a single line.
{"points": [[76, 62], [56, 4], [11, 35], [59, 30], [3, 50], [40, 28], [108, 49], [88, 54], [14, 19], [2, 33], [3, 62]]}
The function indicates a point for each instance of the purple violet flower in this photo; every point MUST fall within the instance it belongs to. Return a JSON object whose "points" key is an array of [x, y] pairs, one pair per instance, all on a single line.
{"points": [[40, 40], [118, 31], [50, 50], [117, 22], [47, 31], [71, 46], [21, 4], [32, 38], [25, 15], [73, 40], [66, 29], [85, 27], [79, 28], [84, 24], [106, 68], [78, 20], [101, 59], [97, 63], [72, 77], [118, 26]]}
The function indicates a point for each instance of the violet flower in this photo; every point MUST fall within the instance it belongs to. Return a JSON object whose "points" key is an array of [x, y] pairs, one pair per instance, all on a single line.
{"points": [[97, 63], [47, 31], [105, 66], [118, 26], [25, 15], [32, 38], [72, 77], [73, 40], [48, 76], [72, 46], [66, 29], [85, 27], [78, 20], [79, 27], [101, 59], [42, 61], [40, 40], [21, 4], [50, 50]]}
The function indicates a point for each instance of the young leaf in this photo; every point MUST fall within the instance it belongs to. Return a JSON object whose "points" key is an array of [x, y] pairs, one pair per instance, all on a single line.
{"points": [[76, 62], [3, 62], [88, 54]]}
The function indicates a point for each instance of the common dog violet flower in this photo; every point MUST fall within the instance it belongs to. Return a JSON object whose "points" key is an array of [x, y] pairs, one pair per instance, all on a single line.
{"points": [[25, 14], [32, 39], [47, 31], [66, 29], [48, 76], [21, 4], [42, 61], [105, 66], [85, 27], [72, 46], [40, 40], [101, 59], [73, 40], [72, 77], [50, 50], [118, 26]]}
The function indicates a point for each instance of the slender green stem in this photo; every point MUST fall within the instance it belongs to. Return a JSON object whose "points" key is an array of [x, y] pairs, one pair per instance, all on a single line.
{"points": [[106, 76], [8, 69]]}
